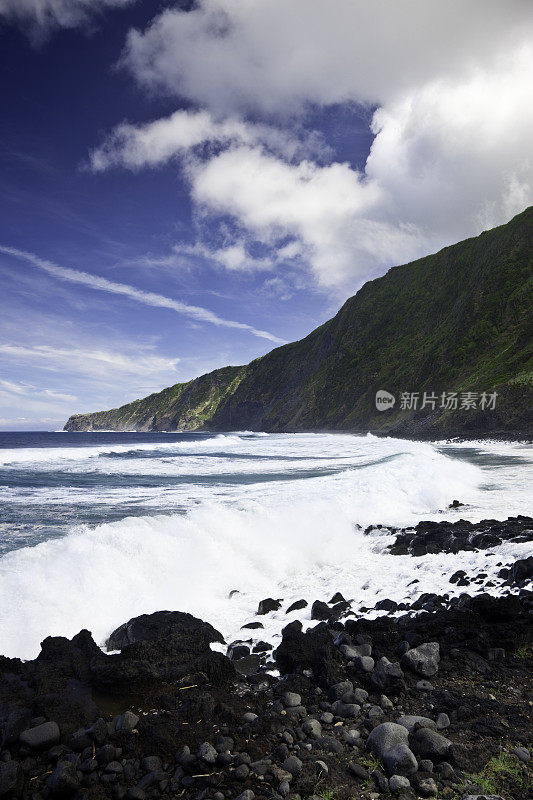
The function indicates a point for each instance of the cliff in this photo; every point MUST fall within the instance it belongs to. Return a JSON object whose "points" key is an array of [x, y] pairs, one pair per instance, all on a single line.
{"points": [[454, 322]]}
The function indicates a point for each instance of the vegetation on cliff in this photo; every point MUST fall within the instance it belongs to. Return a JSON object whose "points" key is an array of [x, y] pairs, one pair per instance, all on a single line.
{"points": [[457, 321]]}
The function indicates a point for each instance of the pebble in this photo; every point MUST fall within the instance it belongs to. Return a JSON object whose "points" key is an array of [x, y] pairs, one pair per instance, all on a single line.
{"points": [[312, 727], [293, 765], [424, 686], [241, 773], [398, 783], [358, 770], [427, 787], [443, 721], [523, 754], [246, 795], [127, 721], [291, 700], [206, 753]]}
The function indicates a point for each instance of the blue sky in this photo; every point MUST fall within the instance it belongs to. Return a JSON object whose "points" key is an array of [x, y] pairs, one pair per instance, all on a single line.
{"points": [[187, 186]]}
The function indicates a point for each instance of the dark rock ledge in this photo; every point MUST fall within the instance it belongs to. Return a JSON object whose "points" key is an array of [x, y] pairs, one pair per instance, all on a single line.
{"points": [[453, 537]]}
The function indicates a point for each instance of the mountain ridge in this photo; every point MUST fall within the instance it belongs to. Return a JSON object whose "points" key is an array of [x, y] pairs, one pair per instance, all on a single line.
{"points": [[456, 321]]}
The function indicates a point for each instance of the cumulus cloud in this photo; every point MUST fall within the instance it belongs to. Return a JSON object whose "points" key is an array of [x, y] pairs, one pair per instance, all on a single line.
{"points": [[271, 55], [447, 86], [326, 210], [155, 143], [39, 17]]}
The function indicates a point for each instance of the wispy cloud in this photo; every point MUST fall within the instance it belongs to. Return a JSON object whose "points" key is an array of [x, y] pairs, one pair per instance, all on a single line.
{"points": [[133, 293], [38, 17], [84, 361], [11, 389]]}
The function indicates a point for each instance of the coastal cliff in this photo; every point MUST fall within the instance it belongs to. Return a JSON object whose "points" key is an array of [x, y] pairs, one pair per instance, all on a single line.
{"points": [[452, 323]]}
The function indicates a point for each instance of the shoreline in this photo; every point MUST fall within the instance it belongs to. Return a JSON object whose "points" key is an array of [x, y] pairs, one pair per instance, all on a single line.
{"points": [[517, 437], [170, 715]]}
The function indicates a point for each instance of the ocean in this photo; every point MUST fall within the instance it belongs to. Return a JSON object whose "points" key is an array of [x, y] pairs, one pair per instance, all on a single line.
{"points": [[96, 528]]}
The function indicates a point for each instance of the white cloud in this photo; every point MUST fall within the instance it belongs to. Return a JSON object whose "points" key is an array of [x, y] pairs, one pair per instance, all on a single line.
{"points": [[155, 143], [325, 208], [235, 256], [273, 55], [12, 390], [139, 295], [450, 87], [97, 375], [74, 371], [39, 17], [89, 362], [455, 155]]}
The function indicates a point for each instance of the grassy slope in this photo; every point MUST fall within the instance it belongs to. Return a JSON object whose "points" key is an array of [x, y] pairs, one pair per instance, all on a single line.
{"points": [[457, 320]]}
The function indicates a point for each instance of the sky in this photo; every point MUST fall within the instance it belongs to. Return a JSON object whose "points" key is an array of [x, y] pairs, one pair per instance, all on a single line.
{"points": [[186, 185]]}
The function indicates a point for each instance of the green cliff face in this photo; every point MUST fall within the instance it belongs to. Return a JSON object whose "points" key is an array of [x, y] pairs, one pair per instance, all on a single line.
{"points": [[456, 321]]}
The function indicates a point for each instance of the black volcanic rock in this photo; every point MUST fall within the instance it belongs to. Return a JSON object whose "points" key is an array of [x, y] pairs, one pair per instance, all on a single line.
{"points": [[185, 633], [178, 721], [268, 605], [452, 537], [311, 650]]}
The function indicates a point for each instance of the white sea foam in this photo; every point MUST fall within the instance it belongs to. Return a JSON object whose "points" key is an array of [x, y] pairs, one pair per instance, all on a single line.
{"points": [[286, 536], [45, 456]]}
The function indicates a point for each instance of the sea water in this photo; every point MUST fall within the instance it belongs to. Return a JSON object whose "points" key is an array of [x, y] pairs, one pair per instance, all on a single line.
{"points": [[96, 528]]}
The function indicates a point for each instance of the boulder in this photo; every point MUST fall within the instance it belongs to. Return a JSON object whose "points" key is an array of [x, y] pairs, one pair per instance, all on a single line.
{"points": [[442, 721], [355, 650], [427, 787], [297, 606], [347, 710], [423, 660], [313, 650], [522, 569], [321, 611], [237, 650], [207, 754], [364, 663], [387, 676], [390, 743], [411, 721], [340, 691], [267, 605], [187, 634], [427, 743], [41, 737]]}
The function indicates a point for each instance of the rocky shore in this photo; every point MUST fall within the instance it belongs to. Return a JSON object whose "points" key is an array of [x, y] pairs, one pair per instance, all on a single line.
{"points": [[434, 699]]}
